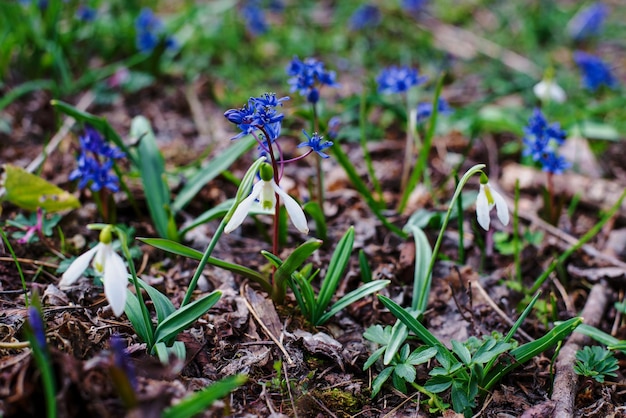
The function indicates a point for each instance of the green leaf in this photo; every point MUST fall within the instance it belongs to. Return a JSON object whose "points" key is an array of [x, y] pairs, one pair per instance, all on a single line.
{"points": [[214, 168], [378, 334], [363, 189], [180, 249], [372, 359], [352, 297], [30, 192], [213, 213], [164, 353], [135, 316], [405, 371], [601, 337], [422, 355], [315, 211], [527, 351], [380, 380], [200, 401], [162, 305], [336, 267], [366, 270], [184, 317], [438, 384], [422, 277], [461, 351], [419, 329], [294, 261], [152, 169], [399, 334]]}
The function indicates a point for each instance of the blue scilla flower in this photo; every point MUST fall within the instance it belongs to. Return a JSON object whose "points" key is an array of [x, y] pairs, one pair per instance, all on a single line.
{"points": [[260, 113], [121, 359], [398, 79], [254, 17], [316, 143], [595, 72], [95, 163], [588, 22], [413, 7], [86, 13], [37, 327], [307, 75], [541, 143], [149, 30], [425, 109], [366, 16]]}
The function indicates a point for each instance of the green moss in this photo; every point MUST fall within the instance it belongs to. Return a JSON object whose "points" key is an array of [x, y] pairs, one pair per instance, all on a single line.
{"points": [[343, 404]]}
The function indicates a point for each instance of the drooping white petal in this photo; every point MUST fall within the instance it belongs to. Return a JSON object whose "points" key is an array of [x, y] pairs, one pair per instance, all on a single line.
{"points": [[115, 282], [244, 207], [294, 210], [78, 266], [482, 209], [501, 208]]}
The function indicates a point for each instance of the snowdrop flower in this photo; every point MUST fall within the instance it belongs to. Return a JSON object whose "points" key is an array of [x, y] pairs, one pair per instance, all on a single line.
{"points": [[547, 90], [487, 199], [265, 191], [107, 263]]}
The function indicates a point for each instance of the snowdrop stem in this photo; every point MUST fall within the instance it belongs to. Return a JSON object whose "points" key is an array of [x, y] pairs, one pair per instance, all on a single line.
{"points": [[473, 170], [133, 277], [242, 192]]}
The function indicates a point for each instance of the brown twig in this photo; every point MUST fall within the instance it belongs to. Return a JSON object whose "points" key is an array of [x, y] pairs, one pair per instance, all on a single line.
{"points": [[262, 324], [566, 380]]}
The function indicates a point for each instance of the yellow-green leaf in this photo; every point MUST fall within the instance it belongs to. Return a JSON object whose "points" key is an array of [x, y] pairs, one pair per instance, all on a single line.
{"points": [[30, 192]]}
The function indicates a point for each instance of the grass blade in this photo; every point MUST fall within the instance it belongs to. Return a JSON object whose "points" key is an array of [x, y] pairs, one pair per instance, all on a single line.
{"points": [[352, 297]]}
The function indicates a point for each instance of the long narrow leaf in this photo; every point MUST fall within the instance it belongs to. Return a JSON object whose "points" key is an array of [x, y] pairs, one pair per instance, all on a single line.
{"points": [[352, 297], [363, 189], [207, 173], [180, 249], [315, 211], [295, 260], [184, 317], [200, 401], [135, 316], [152, 169], [422, 277], [529, 350], [162, 305], [336, 267], [414, 325]]}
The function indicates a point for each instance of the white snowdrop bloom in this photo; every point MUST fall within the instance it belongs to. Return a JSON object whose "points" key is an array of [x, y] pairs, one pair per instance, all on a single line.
{"points": [[107, 263], [549, 91], [487, 199], [264, 191]]}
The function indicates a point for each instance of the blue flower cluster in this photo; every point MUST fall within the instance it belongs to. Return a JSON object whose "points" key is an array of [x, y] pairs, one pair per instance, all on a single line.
{"points": [[588, 22], [316, 143], [366, 16], [595, 72], [425, 109], [307, 75], [259, 114], [121, 359], [398, 79], [86, 13], [413, 7], [541, 143], [149, 30], [95, 162], [37, 326]]}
